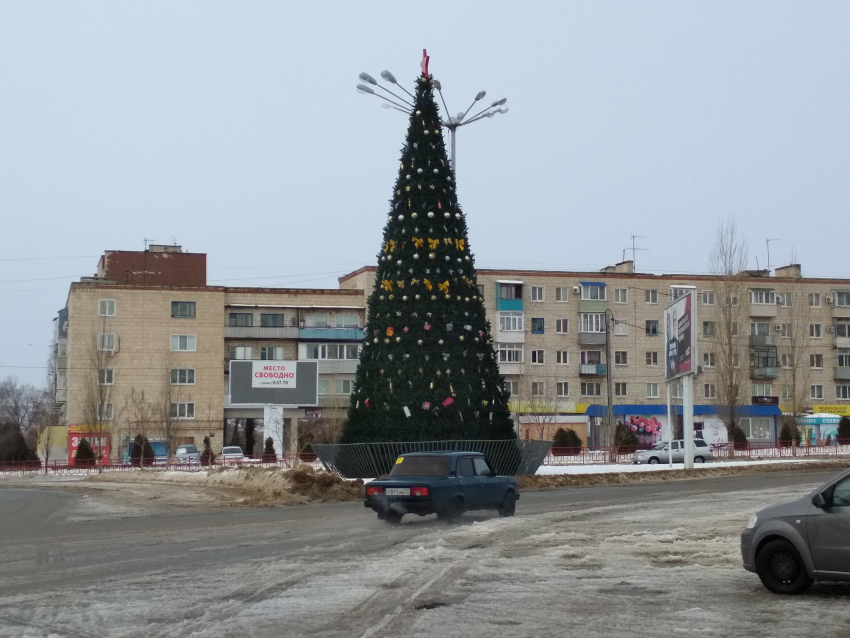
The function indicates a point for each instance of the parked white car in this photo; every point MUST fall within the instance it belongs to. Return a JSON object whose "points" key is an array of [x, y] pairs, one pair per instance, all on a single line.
{"points": [[232, 454], [660, 453]]}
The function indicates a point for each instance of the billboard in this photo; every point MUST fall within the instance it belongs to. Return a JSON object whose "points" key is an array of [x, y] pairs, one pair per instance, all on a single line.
{"points": [[98, 439], [680, 337], [274, 382]]}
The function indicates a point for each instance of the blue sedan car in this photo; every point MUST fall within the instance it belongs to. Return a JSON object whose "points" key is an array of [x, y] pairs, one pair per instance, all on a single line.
{"points": [[442, 483]]}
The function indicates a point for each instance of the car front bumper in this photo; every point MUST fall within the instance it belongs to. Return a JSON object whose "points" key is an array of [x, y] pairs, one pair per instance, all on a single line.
{"points": [[747, 537]]}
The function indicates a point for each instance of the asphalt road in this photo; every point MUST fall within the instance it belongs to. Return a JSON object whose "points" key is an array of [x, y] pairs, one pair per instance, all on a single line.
{"points": [[73, 561]]}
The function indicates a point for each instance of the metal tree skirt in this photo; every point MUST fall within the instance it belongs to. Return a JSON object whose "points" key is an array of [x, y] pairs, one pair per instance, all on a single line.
{"points": [[371, 460]]}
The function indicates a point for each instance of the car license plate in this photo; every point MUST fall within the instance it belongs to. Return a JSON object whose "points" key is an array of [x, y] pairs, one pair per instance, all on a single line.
{"points": [[398, 491]]}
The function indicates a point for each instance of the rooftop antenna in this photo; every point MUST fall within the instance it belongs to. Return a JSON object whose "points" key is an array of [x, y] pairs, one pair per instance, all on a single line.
{"points": [[173, 240], [767, 242], [148, 240], [634, 249]]}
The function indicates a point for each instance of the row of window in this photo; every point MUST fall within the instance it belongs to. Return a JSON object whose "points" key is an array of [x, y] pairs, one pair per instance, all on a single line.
{"points": [[179, 410], [276, 320], [179, 376]]}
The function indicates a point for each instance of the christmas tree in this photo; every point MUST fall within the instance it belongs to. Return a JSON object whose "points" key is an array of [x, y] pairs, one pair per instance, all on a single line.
{"points": [[428, 370]]}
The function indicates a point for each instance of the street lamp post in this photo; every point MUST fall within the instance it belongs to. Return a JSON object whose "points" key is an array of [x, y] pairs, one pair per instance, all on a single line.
{"points": [[398, 102]]}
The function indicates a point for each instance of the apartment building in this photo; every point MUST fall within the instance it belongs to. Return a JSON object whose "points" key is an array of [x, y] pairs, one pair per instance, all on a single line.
{"points": [[146, 341], [550, 334]]}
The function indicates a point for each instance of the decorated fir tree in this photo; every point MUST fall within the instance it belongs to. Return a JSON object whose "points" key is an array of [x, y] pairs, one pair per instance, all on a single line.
{"points": [[428, 370]]}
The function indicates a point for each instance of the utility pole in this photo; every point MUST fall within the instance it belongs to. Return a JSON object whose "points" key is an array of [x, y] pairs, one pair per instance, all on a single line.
{"points": [[609, 417]]}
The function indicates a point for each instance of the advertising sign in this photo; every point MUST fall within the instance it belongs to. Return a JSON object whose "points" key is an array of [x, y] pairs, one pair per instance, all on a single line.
{"points": [[680, 337], [841, 410], [99, 442], [273, 374]]}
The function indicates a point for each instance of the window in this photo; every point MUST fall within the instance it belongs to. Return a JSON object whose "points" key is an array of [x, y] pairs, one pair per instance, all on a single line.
{"points": [[510, 352], [346, 321], [707, 297], [332, 351], [785, 330], [105, 376], [816, 361], [787, 392], [734, 327], [183, 343], [343, 386], [562, 294], [763, 297], [104, 412], [843, 358], [563, 357], [510, 321], [591, 322], [842, 299], [591, 389], [273, 353], [538, 388], [106, 307], [512, 387], [621, 295], [651, 296], [708, 329], [842, 329], [621, 358], [817, 392], [652, 358], [510, 291], [784, 299], [106, 342], [182, 376], [678, 291], [763, 358], [787, 360], [537, 357], [241, 319], [537, 325], [652, 327], [241, 352], [814, 300], [676, 390], [562, 326], [732, 299], [591, 357], [760, 329], [621, 329], [736, 360], [710, 391], [709, 360], [316, 320], [271, 320], [815, 330], [757, 428], [182, 410], [592, 292], [322, 386], [620, 389], [842, 392], [183, 309], [562, 388], [651, 390], [762, 390], [537, 293]]}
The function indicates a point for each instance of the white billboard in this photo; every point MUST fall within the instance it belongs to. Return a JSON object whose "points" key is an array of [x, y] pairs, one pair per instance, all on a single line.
{"points": [[680, 337], [273, 374]]}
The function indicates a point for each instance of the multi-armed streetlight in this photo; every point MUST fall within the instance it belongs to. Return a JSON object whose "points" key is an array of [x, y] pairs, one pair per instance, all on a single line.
{"points": [[401, 103]]}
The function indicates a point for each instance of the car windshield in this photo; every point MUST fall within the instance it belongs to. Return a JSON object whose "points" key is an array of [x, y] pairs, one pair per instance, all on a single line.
{"points": [[187, 449], [660, 445], [421, 466], [232, 450]]}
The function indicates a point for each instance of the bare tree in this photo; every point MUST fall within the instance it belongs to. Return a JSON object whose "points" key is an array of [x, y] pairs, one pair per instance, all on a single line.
{"points": [[139, 416], [793, 354], [541, 406], [97, 408], [21, 407], [727, 261], [173, 413]]}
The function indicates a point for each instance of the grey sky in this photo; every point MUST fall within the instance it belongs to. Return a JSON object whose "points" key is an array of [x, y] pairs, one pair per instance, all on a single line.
{"points": [[235, 128]]}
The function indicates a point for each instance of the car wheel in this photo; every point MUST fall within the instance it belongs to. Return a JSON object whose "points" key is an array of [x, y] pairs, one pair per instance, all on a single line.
{"points": [[653, 461], [392, 517], [781, 568], [455, 511], [508, 507], [699, 459]]}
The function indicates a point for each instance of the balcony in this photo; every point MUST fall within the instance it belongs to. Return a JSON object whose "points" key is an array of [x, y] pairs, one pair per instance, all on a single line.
{"points": [[251, 332], [334, 400], [510, 368], [769, 310], [61, 363], [330, 334], [842, 342], [338, 366], [841, 374], [592, 369], [761, 341], [769, 372], [591, 338], [511, 305], [592, 305]]}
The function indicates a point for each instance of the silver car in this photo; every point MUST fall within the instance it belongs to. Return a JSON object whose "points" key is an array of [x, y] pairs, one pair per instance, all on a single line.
{"points": [[661, 451], [187, 454], [794, 543]]}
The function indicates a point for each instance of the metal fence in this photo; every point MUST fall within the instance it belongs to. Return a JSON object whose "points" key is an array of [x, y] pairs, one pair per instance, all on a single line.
{"points": [[371, 460]]}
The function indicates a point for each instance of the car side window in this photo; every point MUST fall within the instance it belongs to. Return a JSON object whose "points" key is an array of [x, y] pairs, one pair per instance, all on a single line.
{"points": [[700, 443], [841, 493], [481, 467], [674, 445], [464, 467]]}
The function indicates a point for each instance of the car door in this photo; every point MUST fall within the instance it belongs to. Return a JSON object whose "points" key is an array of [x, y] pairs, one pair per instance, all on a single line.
{"points": [[470, 484], [677, 452], [492, 486], [829, 532]]}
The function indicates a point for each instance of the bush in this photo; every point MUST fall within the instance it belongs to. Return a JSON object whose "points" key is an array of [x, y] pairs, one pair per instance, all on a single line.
{"points": [[787, 435], [269, 455], [85, 454], [844, 431], [567, 441], [625, 438], [141, 452], [739, 439], [207, 456]]}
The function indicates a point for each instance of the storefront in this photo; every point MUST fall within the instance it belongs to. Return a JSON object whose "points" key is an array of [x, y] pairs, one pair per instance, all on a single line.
{"points": [[818, 429]]}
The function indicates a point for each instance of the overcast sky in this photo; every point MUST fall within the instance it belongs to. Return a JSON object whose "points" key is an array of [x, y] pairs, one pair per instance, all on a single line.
{"points": [[233, 128]]}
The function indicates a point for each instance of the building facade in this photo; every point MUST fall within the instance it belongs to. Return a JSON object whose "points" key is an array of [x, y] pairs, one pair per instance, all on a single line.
{"points": [[787, 337]]}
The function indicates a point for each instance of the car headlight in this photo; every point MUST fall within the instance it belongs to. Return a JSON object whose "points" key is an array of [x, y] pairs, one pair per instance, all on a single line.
{"points": [[752, 522]]}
